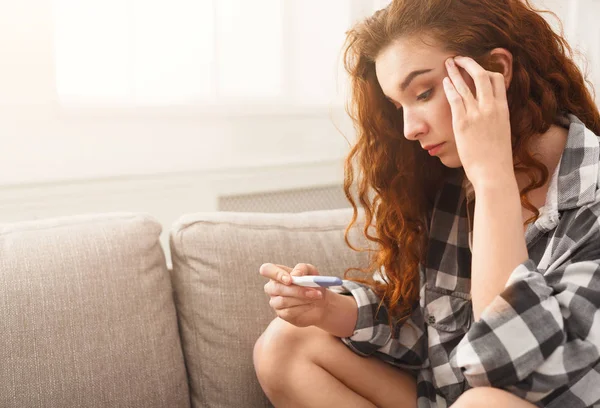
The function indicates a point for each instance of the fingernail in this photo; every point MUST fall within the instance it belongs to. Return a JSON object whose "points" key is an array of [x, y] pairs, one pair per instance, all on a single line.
{"points": [[450, 62], [286, 279]]}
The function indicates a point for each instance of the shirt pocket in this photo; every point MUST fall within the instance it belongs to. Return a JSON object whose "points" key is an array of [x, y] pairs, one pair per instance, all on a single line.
{"points": [[447, 311], [448, 315]]}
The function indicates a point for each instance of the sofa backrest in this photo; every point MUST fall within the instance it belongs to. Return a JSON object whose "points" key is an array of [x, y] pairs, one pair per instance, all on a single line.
{"points": [[87, 317], [219, 294]]}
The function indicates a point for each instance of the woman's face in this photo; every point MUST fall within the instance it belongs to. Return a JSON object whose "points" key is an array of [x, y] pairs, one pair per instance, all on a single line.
{"points": [[410, 74]]}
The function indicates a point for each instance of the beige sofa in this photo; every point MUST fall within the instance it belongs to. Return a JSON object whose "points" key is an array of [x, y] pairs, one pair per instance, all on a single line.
{"points": [[90, 316]]}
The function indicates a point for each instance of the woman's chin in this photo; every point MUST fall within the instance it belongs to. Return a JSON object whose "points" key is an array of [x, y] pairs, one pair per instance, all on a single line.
{"points": [[451, 162]]}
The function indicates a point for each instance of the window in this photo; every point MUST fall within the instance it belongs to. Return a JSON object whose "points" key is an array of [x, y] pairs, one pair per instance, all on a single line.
{"points": [[202, 52]]}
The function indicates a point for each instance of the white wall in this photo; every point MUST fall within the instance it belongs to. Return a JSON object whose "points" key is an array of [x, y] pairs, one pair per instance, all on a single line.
{"points": [[41, 147], [42, 142], [582, 31]]}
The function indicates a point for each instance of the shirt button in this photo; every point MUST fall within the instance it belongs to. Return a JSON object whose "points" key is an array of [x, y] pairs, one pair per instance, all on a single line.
{"points": [[431, 319]]}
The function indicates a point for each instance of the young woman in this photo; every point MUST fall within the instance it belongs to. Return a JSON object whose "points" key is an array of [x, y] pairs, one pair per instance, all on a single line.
{"points": [[477, 156]]}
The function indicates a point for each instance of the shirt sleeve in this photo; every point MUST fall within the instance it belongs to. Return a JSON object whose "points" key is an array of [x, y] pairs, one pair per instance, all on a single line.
{"points": [[542, 332], [404, 346]]}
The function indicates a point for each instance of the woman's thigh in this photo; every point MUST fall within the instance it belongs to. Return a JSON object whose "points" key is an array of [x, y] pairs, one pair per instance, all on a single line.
{"points": [[379, 382]]}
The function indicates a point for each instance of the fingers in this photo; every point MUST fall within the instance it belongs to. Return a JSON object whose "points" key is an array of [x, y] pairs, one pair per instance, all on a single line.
{"points": [[303, 269], [301, 306], [277, 273], [490, 86], [273, 288], [481, 77], [281, 273], [454, 99], [290, 314], [499, 86], [292, 301], [281, 302], [460, 85]]}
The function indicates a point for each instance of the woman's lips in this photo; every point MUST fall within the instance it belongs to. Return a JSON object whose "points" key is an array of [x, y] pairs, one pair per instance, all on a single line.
{"points": [[435, 149]]}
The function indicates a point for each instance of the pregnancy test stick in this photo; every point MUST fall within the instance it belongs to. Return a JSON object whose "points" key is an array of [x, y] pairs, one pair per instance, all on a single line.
{"points": [[316, 281]]}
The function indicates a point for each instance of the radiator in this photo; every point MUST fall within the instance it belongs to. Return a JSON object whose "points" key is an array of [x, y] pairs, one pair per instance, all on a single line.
{"points": [[285, 201]]}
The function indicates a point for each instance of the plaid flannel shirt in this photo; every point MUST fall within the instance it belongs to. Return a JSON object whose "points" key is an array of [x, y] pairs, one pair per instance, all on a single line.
{"points": [[540, 337]]}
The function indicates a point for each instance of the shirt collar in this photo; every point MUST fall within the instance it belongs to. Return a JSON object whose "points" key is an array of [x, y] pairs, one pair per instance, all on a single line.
{"points": [[575, 181]]}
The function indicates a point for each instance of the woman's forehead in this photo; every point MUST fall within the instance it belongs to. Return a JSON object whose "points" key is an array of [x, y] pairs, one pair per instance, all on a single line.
{"points": [[410, 53], [402, 58]]}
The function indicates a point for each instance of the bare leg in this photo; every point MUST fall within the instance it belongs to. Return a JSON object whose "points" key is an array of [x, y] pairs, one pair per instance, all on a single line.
{"points": [[490, 398], [308, 367]]}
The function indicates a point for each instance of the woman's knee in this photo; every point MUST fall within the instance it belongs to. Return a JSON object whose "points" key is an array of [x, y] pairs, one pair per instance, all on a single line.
{"points": [[489, 397], [473, 397], [277, 334], [276, 347]]}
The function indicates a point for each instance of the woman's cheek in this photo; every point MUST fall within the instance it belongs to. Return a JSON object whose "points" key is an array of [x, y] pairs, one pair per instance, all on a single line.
{"points": [[443, 108]]}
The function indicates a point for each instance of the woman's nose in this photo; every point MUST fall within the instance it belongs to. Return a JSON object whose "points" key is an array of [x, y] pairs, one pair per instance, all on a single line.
{"points": [[414, 126]]}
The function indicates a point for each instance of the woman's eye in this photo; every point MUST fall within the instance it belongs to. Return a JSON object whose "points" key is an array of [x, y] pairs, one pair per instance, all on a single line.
{"points": [[425, 95]]}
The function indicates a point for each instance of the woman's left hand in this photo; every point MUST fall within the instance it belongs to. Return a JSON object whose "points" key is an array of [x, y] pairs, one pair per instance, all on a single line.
{"points": [[481, 122]]}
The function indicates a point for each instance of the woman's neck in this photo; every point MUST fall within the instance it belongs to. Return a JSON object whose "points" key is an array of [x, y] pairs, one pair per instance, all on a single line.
{"points": [[548, 149]]}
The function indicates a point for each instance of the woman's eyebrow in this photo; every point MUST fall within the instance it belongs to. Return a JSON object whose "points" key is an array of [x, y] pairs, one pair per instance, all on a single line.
{"points": [[412, 76]]}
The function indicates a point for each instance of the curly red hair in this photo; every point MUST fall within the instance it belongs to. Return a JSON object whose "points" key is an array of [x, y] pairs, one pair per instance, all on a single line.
{"points": [[396, 180]]}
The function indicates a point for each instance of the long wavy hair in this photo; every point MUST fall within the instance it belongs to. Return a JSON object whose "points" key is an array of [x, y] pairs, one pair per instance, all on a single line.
{"points": [[395, 180]]}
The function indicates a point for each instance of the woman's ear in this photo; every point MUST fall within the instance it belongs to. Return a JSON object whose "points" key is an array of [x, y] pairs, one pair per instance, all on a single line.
{"points": [[501, 60]]}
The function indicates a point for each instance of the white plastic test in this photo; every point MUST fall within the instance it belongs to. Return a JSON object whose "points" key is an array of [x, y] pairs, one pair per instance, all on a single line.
{"points": [[315, 281]]}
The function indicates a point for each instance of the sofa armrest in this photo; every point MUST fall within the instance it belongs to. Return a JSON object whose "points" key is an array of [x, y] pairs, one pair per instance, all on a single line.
{"points": [[87, 315]]}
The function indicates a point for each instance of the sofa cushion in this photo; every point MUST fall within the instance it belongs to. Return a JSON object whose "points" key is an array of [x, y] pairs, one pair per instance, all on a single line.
{"points": [[87, 315], [219, 293]]}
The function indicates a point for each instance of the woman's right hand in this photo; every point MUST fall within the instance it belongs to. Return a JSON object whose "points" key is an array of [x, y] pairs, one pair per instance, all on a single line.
{"points": [[298, 305]]}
